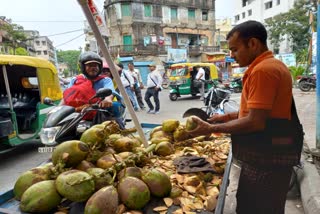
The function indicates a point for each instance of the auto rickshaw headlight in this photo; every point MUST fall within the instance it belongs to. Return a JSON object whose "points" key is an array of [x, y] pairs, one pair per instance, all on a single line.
{"points": [[48, 135]]}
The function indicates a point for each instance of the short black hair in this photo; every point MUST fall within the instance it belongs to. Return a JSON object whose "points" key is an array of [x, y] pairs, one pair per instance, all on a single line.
{"points": [[130, 63], [250, 29]]}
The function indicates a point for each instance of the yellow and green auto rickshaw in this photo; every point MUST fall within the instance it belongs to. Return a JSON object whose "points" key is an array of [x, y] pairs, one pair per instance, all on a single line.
{"points": [[182, 76], [24, 83]]}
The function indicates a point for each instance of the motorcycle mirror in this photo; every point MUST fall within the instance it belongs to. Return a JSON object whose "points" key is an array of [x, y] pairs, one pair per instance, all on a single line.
{"points": [[103, 92]]}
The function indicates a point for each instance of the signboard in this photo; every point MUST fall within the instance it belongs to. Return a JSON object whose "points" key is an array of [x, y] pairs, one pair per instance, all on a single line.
{"points": [[288, 59], [216, 58], [177, 55]]}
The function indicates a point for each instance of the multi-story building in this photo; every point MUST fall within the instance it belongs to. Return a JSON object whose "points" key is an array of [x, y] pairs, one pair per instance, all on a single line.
{"points": [[30, 41], [261, 10], [146, 27], [44, 48]]}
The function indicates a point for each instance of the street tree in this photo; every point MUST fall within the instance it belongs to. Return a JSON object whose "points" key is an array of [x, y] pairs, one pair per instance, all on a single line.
{"points": [[69, 57], [293, 25], [14, 33]]}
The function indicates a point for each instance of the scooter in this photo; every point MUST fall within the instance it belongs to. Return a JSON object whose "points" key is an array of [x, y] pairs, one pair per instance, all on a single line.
{"points": [[64, 123], [306, 83], [236, 85]]}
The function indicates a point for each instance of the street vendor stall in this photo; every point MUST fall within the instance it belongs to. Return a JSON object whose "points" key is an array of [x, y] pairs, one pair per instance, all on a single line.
{"points": [[199, 186]]}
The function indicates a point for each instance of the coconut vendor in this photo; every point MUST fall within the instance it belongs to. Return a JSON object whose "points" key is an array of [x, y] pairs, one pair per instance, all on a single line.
{"points": [[266, 133]]}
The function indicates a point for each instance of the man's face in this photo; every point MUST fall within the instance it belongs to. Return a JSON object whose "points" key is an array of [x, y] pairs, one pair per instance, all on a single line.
{"points": [[92, 69], [241, 50], [151, 68], [130, 66]]}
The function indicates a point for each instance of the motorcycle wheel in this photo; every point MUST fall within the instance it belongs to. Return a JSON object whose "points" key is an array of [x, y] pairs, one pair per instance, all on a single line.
{"points": [[304, 86], [173, 97], [237, 90]]}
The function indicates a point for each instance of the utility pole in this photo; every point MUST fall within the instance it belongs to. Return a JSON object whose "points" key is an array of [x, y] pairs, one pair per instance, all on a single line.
{"points": [[318, 77]]}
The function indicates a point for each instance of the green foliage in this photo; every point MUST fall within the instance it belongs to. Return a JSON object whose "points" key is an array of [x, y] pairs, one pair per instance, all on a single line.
{"points": [[14, 33], [66, 73], [294, 24], [69, 57], [22, 52], [296, 71]]}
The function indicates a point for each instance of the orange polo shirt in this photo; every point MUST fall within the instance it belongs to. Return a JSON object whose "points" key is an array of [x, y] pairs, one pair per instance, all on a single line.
{"points": [[267, 84]]}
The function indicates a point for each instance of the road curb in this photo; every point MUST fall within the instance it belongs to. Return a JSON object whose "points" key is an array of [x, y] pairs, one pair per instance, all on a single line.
{"points": [[309, 183]]}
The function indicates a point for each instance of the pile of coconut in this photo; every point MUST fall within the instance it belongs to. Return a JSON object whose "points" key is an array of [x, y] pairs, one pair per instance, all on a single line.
{"points": [[110, 171]]}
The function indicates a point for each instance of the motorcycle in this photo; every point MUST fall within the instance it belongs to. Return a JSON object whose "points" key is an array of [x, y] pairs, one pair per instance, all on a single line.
{"points": [[64, 123], [236, 85], [306, 83], [216, 101]]}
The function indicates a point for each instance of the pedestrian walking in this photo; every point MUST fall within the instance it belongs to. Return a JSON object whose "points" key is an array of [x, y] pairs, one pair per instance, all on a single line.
{"points": [[154, 81], [266, 133], [200, 78], [138, 84], [128, 83]]}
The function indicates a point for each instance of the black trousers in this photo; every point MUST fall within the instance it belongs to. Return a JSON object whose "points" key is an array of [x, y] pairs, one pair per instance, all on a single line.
{"points": [[152, 92], [262, 190]]}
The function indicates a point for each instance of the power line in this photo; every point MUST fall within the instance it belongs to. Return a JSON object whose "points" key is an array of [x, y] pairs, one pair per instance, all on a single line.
{"points": [[65, 32], [69, 40], [49, 21]]}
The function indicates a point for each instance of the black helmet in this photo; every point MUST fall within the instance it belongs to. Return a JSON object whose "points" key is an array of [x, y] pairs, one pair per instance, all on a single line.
{"points": [[87, 57]]}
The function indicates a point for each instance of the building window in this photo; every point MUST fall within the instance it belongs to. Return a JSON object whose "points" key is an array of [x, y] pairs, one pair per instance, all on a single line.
{"points": [[38, 43], [191, 14], [38, 52], [278, 2], [204, 15], [174, 13], [249, 12], [125, 9], [243, 15], [268, 5], [147, 10], [43, 43], [244, 3], [45, 52], [237, 17]]}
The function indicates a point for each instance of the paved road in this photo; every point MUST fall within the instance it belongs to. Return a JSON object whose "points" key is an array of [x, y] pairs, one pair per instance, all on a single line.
{"points": [[25, 157]]}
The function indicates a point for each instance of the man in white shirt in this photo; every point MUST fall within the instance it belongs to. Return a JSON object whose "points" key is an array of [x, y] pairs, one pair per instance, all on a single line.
{"points": [[154, 82], [128, 83], [200, 78], [138, 85]]}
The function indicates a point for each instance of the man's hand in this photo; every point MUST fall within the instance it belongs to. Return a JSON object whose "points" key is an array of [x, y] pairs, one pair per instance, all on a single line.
{"points": [[218, 118], [202, 128], [106, 103]]}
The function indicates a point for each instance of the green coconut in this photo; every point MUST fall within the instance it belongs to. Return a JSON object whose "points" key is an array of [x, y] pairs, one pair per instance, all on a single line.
{"points": [[125, 144], [70, 152], [108, 160], [164, 148], [31, 177], [93, 136], [75, 185], [84, 165], [190, 124], [105, 201], [133, 193], [170, 125], [40, 198], [101, 179], [180, 134], [155, 129], [158, 182], [130, 171]]}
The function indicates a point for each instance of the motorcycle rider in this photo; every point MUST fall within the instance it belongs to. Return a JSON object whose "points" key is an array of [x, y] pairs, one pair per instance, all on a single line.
{"points": [[90, 65]]}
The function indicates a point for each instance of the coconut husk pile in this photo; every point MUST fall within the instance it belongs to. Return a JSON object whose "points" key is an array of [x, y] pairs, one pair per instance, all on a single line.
{"points": [[110, 171]]}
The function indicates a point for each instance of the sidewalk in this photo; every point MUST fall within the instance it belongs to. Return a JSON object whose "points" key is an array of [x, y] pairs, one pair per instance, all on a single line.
{"points": [[308, 177]]}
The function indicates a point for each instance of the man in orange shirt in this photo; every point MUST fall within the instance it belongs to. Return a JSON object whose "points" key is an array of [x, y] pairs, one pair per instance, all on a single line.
{"points": [[256, 130]]}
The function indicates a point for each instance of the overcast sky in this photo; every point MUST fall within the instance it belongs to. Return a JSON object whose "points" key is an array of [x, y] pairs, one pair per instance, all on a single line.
{"points": [[51, 17]]}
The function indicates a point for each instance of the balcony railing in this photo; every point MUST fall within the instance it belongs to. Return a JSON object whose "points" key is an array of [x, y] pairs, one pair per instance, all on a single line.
{"points": [[154, 50]]}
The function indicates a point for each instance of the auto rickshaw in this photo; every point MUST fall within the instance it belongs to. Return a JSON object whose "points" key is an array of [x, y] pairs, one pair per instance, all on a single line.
{"points": [[24, 83], [182, 78]]}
